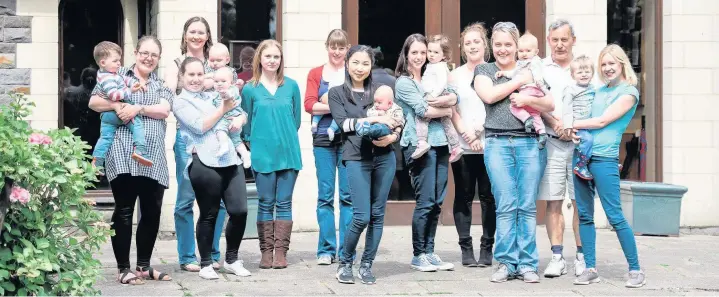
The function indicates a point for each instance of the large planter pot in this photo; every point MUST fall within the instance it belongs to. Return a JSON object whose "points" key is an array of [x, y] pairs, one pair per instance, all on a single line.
{"points": [[652, 208], [252, 205]]}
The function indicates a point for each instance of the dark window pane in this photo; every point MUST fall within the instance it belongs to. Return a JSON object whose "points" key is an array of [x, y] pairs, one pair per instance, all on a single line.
{"points": [[387, 24], [254, 20], [491, 12], [624, 27]]}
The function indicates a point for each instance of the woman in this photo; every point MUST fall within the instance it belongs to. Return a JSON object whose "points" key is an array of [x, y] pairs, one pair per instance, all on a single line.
{"points": [[129, 180], [430, 172], [370, 164], [214, 178], [196, 43], [470, 173], [273, 104], [328, 155], [515, 162], [612, 110]]}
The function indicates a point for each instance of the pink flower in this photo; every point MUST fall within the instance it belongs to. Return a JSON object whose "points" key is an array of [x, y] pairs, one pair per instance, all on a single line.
{"points": [[39, 138], [19, 194]]}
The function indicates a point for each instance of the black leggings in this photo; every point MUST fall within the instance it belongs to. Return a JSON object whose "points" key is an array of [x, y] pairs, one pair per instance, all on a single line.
{"points": [[125, 190], [470, 172], [211, 185]]}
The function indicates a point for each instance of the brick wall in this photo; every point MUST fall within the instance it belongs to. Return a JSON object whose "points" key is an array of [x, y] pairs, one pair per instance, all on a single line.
{"points": [[13, 30]]}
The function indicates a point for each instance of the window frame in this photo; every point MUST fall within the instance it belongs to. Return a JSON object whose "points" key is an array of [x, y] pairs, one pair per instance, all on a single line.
{"points": [[278, 18]]}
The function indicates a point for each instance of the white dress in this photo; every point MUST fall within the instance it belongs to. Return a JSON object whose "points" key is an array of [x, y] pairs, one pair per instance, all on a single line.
{"points": [[435, 77], [470, 107]]}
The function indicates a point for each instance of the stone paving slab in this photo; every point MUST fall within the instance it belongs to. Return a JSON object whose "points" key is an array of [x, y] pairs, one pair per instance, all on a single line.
{"points": [[675, 266]]}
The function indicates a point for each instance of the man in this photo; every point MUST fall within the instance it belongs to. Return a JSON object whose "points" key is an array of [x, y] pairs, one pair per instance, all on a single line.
{"points": [[558, 177]]}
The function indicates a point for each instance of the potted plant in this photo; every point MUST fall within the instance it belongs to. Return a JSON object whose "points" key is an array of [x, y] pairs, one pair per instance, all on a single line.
{"points": [[50, 232]]}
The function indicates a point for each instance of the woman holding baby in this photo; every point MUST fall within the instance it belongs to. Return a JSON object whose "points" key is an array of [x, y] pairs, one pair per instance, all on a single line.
{"points": [[516, 163]]}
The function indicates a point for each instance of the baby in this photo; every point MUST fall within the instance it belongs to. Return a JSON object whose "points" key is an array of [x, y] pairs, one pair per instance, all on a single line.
{"points": [[223, 78], [219, 57], [115, 88], [528, 48], [578, 100], [434, 82], [337, 80], [383, 105]]}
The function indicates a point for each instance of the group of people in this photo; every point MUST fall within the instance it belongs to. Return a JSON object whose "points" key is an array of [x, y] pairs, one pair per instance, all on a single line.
{"points": [[515, 131]]}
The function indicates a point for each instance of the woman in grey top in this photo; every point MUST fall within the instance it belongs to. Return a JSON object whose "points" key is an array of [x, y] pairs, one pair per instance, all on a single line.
{"points": [[513, 157]]}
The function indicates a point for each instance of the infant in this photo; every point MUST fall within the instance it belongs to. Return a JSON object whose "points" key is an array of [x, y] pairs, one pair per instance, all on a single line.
{"points": [[383, 105], [337, 79], [223, 78]]}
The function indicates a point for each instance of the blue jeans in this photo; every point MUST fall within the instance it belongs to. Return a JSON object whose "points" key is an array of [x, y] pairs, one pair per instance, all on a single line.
{"points": [[369, 184], [275, 191], [372, 131], [585, 143], [515, 166], [316, 120], [184, 217], [108, 126], [429, 176], [328, 161], [606, 184]]}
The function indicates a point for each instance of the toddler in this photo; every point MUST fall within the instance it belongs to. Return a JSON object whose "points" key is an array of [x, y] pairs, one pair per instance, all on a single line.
{"points": [[527, 50], [115, 88], [434, 83], [223, 78], [578, 100], [219, 57], [337, 80], [383, 105]]}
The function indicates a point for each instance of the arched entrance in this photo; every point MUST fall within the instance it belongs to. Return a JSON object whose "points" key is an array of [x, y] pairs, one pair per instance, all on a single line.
{"points": [[83, 24]]}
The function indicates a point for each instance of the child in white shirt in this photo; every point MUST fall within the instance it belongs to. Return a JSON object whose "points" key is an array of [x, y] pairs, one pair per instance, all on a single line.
{"points": [[434, 82]]}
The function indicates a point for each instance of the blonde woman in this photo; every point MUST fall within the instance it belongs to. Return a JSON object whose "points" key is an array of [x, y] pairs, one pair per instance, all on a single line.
{"points": [[612, 110]]}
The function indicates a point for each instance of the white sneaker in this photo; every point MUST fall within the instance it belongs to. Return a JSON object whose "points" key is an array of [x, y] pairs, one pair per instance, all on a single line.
{"points": [[579, 265], [557, 267], [208, 272], [435, 260], [237, 268]]}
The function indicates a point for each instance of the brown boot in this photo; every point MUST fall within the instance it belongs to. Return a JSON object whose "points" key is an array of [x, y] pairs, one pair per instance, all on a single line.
{"points": [[283, 230], [266, 234]]}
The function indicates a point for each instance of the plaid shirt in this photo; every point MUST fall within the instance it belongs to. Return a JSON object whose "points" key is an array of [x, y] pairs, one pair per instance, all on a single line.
{"points": [[191, 109], [119, 159]]}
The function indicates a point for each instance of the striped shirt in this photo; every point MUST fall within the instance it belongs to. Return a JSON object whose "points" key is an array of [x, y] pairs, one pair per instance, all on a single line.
{"points": [[577, 104], [114, 86], [119, 159], [191, 109]]}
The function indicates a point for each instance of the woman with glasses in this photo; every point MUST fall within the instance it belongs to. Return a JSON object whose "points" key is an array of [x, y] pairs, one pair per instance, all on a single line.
{"points": [[513, 158]]}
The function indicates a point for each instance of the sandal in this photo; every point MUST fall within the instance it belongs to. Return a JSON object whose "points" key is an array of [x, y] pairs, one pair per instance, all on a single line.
{"points": [[132, 280], [191, 267], [149, 274]]}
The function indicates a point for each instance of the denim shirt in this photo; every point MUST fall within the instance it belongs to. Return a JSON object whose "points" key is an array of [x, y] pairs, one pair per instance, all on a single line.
{"points": [[191, 109], [409, 94]]}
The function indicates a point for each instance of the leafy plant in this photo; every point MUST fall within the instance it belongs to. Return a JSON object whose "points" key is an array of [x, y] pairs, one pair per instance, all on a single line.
{"points": [[50, 232]]}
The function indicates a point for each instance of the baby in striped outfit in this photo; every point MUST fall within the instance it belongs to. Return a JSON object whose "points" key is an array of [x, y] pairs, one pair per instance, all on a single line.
{"points": [[228, 140]]}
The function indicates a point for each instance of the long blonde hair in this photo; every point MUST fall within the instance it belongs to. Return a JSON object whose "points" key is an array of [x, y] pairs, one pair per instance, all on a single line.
{"points": [[257, 66], [618, 54]]}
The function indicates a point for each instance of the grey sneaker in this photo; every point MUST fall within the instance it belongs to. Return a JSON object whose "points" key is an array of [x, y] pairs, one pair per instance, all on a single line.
{"points": [[589, 276], [636, 279], [435, 260], [365, 274], [557, 267], [422, 263], [324, 260], [501, 274], [344, 274], [529, 277]]}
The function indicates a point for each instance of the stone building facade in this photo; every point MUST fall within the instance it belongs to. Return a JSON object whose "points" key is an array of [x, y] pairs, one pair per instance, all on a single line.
{"points": [[14, 29]]}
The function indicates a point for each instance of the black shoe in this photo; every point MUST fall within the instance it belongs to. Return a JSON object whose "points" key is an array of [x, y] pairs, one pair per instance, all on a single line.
{"points": [[468, 259], [365, 274], [344, 274], [485, 257]]}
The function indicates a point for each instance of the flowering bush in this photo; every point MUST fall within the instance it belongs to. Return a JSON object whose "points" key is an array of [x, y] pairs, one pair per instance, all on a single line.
{"points": [[50, 232]]}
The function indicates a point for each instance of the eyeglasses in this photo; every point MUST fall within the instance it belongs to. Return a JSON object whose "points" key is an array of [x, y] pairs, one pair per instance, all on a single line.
{"points": [[504, 25], [146, 54]]}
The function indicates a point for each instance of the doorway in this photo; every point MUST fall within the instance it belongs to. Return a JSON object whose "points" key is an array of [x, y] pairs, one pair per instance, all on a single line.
{"points": [[82, 25]]}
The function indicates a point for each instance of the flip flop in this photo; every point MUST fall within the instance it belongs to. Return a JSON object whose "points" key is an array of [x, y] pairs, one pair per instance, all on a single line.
{"points": [[151, 274], [191, 267], [133, 280]]}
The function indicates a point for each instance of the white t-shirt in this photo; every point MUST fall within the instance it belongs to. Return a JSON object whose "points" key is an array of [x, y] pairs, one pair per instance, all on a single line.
{"points": [[435, 77], [470, 107], [557, 78]]}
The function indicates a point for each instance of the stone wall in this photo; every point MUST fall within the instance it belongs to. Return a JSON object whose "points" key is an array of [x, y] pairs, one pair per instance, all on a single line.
{"points": [[13, 30]]}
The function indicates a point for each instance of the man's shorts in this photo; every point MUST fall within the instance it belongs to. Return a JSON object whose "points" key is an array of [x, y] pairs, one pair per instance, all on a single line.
{"points": [[558, 176]]}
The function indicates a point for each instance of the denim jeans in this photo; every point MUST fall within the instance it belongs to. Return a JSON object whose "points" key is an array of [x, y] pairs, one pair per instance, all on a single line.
{"points": [[429, 176], [606, 184], [108, 126], [316, 120], [372, 131], [328, 161], [369, 184], [184, 216], [275, 190], [585, 144], [516, 165]]}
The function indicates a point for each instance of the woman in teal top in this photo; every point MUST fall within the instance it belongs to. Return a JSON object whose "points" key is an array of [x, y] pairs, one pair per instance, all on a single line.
{"points": [[273, 104], [613, 108]]}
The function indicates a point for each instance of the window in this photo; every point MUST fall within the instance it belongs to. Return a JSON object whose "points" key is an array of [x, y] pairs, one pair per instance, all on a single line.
{"points": [[624, 28], [491, 12], [246, 23]]}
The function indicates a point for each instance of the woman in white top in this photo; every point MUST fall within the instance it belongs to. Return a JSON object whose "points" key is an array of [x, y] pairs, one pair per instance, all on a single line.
{"points": [[470, 171]]}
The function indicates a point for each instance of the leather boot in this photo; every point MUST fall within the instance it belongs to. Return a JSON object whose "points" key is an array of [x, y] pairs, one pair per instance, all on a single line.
{"points": [[468, 260], [485, 256], [266, 235], [283, 230]]}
